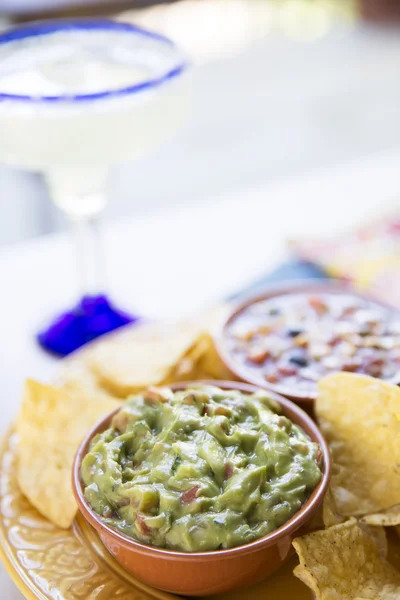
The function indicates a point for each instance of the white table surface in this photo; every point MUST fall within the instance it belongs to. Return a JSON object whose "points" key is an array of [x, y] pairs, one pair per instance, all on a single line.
{"points": [[179, 261]]}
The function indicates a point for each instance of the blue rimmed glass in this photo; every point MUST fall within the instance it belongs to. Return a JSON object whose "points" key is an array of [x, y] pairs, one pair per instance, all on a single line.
{"points": [[74, 139]]}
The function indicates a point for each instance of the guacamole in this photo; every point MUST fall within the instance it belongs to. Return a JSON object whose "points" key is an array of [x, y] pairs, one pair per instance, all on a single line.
{"points": [[200, 469]]}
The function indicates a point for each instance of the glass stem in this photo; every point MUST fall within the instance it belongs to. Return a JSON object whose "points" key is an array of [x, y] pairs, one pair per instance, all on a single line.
{"points": [[80, 193], [89, 255]]}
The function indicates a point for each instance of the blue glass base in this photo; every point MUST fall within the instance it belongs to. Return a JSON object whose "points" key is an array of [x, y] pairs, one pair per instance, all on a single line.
{"points": [[92, 317]]}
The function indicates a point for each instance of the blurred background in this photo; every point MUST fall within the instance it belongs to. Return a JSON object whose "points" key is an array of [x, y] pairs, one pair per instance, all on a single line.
{"points": [[280, 87]]}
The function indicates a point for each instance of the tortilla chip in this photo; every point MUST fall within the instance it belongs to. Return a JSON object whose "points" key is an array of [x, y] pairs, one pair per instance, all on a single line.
{"points": [[378, 535], [343, 563], [50, 427], [330, 515], [331, 518], [201, 362], [211, 365], [127, 363], [188, 366], [360, 418], [76, 378], [154, 353], [387, 518]]}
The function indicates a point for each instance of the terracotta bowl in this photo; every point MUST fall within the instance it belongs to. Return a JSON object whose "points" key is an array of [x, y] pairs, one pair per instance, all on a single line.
{"points": [[205, 573], [242, 373]]}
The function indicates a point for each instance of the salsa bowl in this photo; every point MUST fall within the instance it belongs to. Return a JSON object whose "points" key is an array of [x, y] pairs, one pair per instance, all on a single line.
{"points": [[213, 572], [277, 342]]}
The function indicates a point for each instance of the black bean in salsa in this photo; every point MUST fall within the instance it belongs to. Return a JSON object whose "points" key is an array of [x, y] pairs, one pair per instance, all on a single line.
{"points": [[294, 331], [299, 359]]}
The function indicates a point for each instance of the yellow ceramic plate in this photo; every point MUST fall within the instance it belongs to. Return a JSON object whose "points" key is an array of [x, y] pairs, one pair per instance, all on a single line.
{"points": [[48, 563]]}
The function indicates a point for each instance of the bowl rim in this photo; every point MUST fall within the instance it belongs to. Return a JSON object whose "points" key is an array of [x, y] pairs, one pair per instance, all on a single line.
{"points": [[294, 523], [328, 286]]}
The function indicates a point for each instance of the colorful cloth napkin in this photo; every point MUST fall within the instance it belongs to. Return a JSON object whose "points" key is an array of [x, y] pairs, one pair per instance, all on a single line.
{"points": [[369, 257]]}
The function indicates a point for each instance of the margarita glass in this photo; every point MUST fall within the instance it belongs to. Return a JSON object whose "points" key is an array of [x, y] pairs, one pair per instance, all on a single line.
{"points": [[76, 98]]}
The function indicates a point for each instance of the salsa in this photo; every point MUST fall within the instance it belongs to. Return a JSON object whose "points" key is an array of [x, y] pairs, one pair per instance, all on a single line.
{"points": [[199, 469], [293, 340]]}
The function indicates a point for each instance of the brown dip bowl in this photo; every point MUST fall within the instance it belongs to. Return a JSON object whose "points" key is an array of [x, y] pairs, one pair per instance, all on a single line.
{"points": [[240, 372], [206, 573]]}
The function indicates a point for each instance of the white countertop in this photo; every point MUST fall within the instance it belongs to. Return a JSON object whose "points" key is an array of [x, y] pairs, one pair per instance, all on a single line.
{"points": [[179, 261]]}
